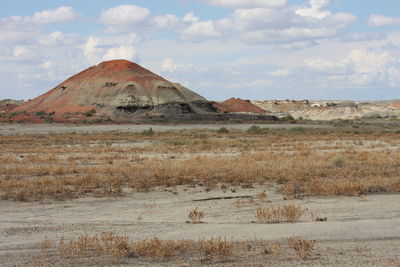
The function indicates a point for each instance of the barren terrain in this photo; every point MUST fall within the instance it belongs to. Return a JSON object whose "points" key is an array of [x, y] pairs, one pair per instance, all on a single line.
{"points": [[256, 196]]}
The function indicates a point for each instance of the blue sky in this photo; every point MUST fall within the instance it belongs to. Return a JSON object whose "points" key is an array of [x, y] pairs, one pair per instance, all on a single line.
{"points": [[253, 49]]}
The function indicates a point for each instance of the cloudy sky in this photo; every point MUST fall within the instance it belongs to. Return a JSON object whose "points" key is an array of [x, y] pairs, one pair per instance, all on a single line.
{"points": [[253, 49]]}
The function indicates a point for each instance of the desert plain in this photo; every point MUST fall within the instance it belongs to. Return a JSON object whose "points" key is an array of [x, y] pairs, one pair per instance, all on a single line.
{"points": [[194, 195]]}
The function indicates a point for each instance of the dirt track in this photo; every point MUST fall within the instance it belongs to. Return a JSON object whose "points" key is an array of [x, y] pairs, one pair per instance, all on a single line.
{"points": [[10, 129]]}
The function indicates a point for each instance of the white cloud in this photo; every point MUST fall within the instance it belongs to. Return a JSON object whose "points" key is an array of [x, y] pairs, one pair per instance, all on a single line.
{"points": [[91, 50], [380, 20], [288, 27], [61, 14], [124, 15], [121, 52], [52, 39], [169, 65], [281, 73], [261, 83], [98, 49], [315, 9], [361, 67], [260, 18], [20, 51], [190, 17], [248, 3], [200, 30], [167, 21], [326, 67]]}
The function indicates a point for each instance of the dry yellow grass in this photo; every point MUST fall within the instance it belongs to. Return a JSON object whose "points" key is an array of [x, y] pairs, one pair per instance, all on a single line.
{"points": [[287, 213], [116, 248], [195, 216], [316, 162], [303, 248]]}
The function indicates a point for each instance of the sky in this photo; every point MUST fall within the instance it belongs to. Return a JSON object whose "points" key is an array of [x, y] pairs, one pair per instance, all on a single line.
{"points": [[252, 49]]}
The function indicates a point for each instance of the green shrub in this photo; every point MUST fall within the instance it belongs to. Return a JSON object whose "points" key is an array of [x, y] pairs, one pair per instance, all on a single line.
{"points": [[254, 130], [90, 113], [148, 132], [297, 130], [338, 162], [222, 130]]}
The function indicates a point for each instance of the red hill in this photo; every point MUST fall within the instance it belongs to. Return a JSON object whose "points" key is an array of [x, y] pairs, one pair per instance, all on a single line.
{"points": [[238, 105], [117, 88]]}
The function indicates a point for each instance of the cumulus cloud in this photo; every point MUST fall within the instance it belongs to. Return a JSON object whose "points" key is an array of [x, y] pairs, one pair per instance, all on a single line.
{"points": [[99, 49], [380, 20], [315, 9], [248, 3], [287, 27], [167, 21], [361, 67], [121, 52], [61, 14], [199, 31], [124, 15], [190, 17]]}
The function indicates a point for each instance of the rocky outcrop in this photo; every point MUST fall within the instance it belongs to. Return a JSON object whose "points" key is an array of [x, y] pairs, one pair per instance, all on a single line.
{"points": [[331, 110]]}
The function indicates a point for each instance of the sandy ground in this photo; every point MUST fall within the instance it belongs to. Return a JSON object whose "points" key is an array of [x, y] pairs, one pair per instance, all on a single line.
{"points": [[9, 129], [359, 231]]}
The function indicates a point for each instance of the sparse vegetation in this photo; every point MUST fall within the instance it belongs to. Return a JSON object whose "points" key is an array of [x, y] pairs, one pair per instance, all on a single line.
{"points": [[195, 216], [321, 163], [223, 130], [254, 130], [303, 248], [90, 113], [287, 213], [148, 132], [116, 248]]}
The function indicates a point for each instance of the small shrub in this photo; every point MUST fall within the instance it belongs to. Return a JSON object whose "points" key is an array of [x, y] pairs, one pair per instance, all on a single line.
{"points": [[254, 130], [216, 247], [223, 130], [288, 118], [287, 213], [195, 216], [303, 248], [90, 113], [338, 162], [297, 130], [40, 114], [148, 132]]}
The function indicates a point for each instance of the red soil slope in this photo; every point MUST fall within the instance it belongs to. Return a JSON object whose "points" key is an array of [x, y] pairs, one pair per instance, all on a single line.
{"points": [[396, 105], [238, 105], [8, 107]]}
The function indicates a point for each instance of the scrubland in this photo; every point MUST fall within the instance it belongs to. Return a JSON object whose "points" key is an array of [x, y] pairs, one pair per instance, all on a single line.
{"points": [[267, 176], [306, 163]]}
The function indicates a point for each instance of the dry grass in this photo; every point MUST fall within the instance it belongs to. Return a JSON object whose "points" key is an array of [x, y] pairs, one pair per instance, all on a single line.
{"points": [[118, 248], [110, 249], [287, 213], [303, 248], [195, 216], [64, 166]]}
